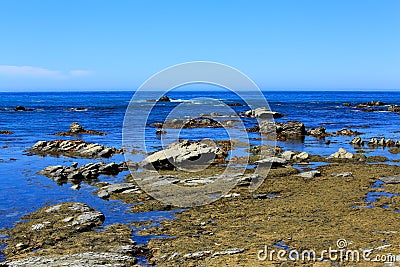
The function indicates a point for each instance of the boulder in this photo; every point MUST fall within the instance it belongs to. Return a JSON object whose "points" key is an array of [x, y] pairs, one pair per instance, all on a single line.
{"points": [[309, 174], [342, 154], [301, 156], [317, 132], [288, 155], [274, 161], [76, 128], [181, 154], [262, 113], [346, 132], [357, 141], [20, 108], [394, 108], [164, 99], [288, 129]]}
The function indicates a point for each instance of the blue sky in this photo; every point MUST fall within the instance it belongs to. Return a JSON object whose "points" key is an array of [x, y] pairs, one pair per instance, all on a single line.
{"points": [[117, 45]]}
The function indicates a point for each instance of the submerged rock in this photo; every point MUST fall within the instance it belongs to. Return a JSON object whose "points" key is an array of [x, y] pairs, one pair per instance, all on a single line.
{"points": [[73, 148]]}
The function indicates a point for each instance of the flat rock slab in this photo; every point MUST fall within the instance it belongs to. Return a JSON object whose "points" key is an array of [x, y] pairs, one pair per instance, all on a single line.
{"points": [[391, 179], [73, 148]]}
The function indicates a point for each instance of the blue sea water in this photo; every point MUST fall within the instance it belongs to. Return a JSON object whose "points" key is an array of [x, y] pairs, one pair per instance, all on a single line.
{"points": [[23, 190]]}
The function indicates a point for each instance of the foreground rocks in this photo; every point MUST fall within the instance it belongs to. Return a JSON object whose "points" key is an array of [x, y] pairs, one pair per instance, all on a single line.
{"points": [[183, 154], [87, 172], [73, 148], [62, 235], [76, 128]]}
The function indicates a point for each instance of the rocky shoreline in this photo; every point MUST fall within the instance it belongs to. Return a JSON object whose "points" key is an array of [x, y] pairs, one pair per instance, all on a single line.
{"points": [[297, 205]]}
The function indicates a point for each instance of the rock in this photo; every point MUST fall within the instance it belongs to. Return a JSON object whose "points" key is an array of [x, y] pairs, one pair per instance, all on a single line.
{"points": [[319, 132], [164, 99], [260, 196], [159, 132], [20, 108], [342, 154], [262, 113], [301, 156], [198, 254], [85, 172], [231, 195], [282, 130], [309, 174], [6, 132], [105, 191], [200, 122], [88, 219], [76, 128], [342, 174], [274, 161], [73, 148], [230, 251], [395, 179], [373, 142], [394, 108], [346, 132], [288, 155], [395, 150], [181, 154], [357, 141]]}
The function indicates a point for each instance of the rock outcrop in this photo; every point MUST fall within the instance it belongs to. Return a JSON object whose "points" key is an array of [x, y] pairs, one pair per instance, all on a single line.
{"points": [[282, 130], [73, 148], [87, 172], [164, 99], [183, 154], [76, 128], [262, 113], [200, 122], [342, 154]]}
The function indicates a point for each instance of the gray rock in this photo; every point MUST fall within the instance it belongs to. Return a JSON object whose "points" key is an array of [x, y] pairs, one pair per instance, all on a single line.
{"points": [[301, 156], [274, 161], [309, 174], [288, 155], [230, 251], [181, 154], [197, 255], [342, 174], [89, 218], [342, 154], [395, 179]]}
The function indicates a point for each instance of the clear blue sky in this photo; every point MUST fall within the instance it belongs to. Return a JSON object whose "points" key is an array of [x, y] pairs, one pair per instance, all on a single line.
{"points": [[101, 45]]}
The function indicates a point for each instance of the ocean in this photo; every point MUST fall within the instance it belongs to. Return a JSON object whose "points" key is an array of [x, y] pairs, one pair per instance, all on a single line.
{"points": [[23, 190]]}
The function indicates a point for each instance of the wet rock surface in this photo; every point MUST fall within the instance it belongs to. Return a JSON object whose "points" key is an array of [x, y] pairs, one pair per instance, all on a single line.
{"points": [[87, 172], [200, 122], [73, 148], [76, 128]]}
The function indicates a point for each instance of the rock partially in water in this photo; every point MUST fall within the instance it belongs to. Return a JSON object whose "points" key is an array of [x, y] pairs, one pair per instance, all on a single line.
{"points": [[395, 179], [20, 108], [357, 141], [319, 132], [164, 99], [262, 113], [76, 128], [346, 132], [274, 161], [283, 130], [73, 148], [86, 172], [200, 122], [6, 132], [394, 108], [63, 235]]}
